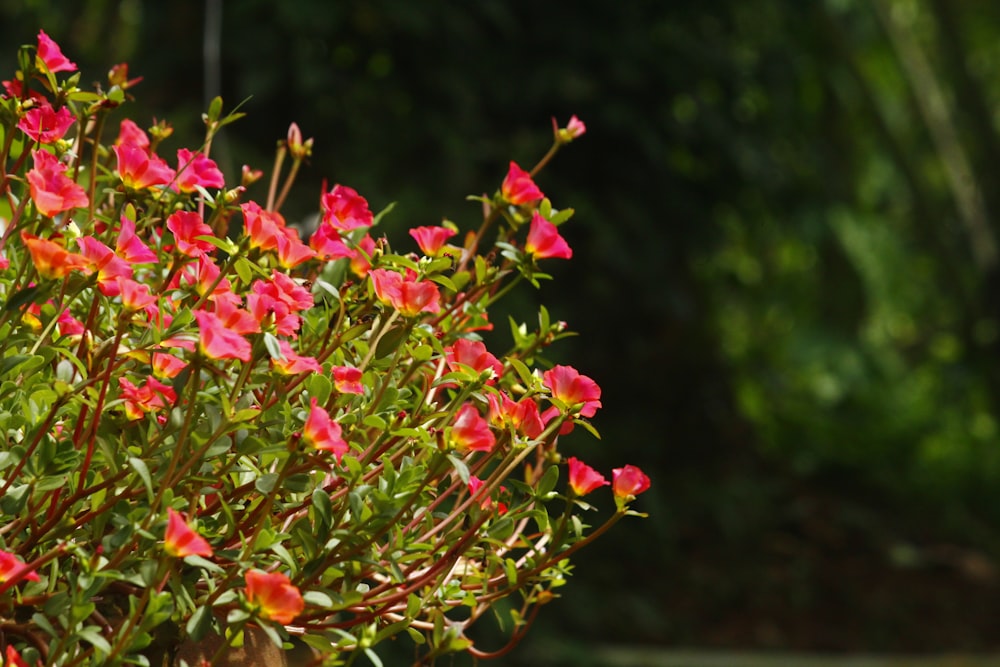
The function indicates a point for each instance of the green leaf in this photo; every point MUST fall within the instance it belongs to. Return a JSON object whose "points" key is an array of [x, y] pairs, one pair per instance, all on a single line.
{"points": [[319, 387], [140, 468], [266, 483], [548, 481]]}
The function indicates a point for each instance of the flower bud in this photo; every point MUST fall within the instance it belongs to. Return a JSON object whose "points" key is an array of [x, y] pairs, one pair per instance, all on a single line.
{"points": [[299, 149], [250, 176]]}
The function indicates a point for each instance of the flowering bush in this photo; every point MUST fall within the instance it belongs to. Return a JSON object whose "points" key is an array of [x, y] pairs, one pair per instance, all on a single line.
{"points": [[212, 423]]}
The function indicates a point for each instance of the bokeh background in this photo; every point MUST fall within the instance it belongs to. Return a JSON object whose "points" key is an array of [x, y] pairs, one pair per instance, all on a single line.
{"points": [[785, 276]]}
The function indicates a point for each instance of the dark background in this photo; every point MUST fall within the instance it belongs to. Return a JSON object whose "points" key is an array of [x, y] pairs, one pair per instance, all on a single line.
{"points": [[785, 271]]}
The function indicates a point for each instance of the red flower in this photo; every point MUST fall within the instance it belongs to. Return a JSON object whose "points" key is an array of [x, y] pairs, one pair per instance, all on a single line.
{"points": [[523, 415], [194, 169], [51, 55], [575, 390], [130, 247], [628, 482], [130, 133], [274, 596], [186, 226], [347, 380], [13, 659], [182, 540], [263, 227], [108, 265], [518, 188], [582, 478], [46, 125], [470, 431], [431, 239], [293, 363], [139, 170], [51, 189], [151, 397], [472, 353], [322, 432], [407, 295], [12, 569], [51, 259], [344, 209], [544, 240], [216, 341]]}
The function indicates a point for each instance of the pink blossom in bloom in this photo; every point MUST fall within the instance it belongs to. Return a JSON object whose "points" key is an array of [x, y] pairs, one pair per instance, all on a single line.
{"points": [[139, 170], [46, 125], [544, 240], [291, 250], [273, 596], [227, 309], [470, 431], [13, 569], [52, 191], [628, 482], [152, 396], [344, 209], [263, 227], [130, 247], [485, 502], [518, 188], [195, 169], [69, 325], [522, 415], [431, 239], [292, 363], [130, 133], [166, 365], [472, 353], [51, 55], [323, 433], [347, 380], [135, 296], [106, 263], [186, 226], [182, 540], [582, 478], [407, 295], [573, 389], [201, 275], [217, 342], [51, 260]]}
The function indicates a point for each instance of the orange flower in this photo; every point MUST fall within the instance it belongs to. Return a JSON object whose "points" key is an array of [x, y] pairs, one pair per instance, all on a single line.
{"points": [[51, 259], [274, 596], [181, 539]]}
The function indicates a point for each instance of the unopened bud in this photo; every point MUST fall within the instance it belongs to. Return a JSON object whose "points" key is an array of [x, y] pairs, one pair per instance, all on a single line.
{"points": [[299, 149], [250, 176]]}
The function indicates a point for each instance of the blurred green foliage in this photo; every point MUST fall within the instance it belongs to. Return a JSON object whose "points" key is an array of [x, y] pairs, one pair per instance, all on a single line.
{"points": [[786, 275]]}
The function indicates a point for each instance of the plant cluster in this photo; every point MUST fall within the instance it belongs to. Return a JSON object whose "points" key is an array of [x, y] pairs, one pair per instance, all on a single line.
{"points": [[212, 422]]}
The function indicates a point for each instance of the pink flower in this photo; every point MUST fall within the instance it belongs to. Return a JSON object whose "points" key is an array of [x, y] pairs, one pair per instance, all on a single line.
{"points": [[195, 169], [344, 209], [46, 125], [628, 482], [407, 295], [130, 247], [544, 240], [582, 478], [52, 191], [150, 397], [470, 432], [523, 415], [431, 239], [573, 130], [472, 353], [51, 260], [518, 188], [108, 265], [293, 363], [130, 133], [263, 227], [347, 380], [51, 55], [274, 596], [135, 296], [324, 433], [182, 540], [575, 390], [13, 569], [216, 341], [139, 170], [186, 226]]}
